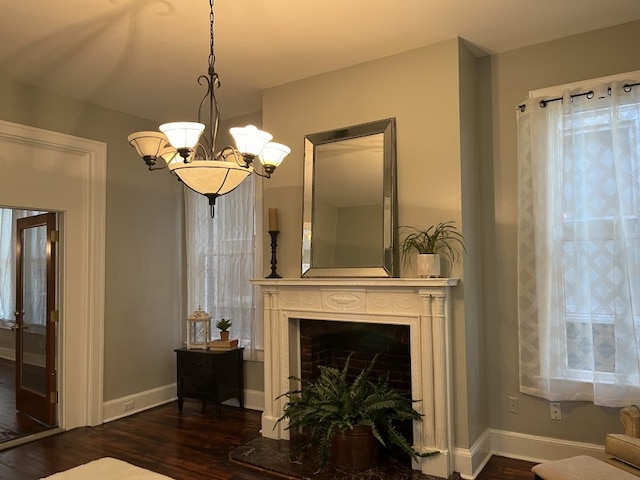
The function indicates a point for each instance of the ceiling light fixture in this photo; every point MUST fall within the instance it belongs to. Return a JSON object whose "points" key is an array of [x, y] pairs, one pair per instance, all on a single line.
{"points": [[188, 148]]}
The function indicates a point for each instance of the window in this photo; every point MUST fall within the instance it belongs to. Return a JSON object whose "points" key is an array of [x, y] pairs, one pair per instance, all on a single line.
{"points": [[579, 244], [221, 258]]}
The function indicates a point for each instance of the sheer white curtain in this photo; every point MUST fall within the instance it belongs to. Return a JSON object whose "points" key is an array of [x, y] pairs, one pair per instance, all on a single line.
{"points": [[33, 247], [220, 259], [7, 265], [579, 246]]}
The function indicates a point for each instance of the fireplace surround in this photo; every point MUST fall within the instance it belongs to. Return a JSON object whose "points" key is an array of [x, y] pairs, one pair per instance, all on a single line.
{"points": [[421, 304]]}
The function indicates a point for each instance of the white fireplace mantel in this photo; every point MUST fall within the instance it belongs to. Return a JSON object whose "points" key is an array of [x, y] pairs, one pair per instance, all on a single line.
{"points": [[422, 304]]}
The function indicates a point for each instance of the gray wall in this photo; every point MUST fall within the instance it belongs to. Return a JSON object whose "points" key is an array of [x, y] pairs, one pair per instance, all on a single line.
{"points": [[512, 75], [143, 239]]}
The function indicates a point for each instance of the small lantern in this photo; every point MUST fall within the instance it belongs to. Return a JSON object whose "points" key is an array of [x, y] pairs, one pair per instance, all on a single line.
{"points": [[198, 329]]}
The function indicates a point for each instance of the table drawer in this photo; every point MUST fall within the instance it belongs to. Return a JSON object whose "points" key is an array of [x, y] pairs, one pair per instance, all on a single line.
{"points": [[198, 364], [197, 385]]}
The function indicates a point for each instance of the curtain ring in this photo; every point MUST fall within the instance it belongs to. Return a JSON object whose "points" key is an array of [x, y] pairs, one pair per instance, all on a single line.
{"points": [[590, 94], [626, 87]]}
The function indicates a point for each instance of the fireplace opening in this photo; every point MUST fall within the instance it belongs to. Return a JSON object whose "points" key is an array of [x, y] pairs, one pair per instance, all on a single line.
{"points": [[329, 343]]}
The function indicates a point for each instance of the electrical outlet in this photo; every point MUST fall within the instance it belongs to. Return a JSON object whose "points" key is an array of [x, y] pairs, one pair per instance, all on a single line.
{"points": [[513, 404], [128, 406], [556, 412]]}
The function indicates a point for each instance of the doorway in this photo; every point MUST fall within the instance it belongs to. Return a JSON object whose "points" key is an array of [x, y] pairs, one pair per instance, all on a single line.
{"points": [[28, 384], [67, 174]]}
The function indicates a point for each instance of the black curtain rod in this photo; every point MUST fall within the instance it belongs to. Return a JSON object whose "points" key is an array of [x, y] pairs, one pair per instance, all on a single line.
{"points": [[543, 103]]}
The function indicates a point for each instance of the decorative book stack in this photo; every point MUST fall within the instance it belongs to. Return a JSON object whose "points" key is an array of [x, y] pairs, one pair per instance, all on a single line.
{"points": [[223, 345]]}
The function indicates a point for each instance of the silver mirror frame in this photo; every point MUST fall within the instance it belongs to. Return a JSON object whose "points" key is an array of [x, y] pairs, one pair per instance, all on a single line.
{"points": [[389, 256]]}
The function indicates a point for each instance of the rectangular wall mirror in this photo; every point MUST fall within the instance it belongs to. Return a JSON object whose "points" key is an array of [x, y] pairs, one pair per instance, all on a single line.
{"points": [[349, 214]]}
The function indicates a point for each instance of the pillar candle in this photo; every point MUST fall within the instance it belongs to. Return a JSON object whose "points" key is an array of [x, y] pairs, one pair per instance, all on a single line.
{"points": [[273, 220]]}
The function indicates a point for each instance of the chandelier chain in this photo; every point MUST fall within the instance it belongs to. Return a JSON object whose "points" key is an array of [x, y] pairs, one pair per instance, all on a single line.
{"points": [[212, 81], [212, 56]]}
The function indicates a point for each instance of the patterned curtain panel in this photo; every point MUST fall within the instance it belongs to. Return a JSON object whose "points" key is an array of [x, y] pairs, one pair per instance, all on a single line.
{"points": [[579, 246], [220, 259]]}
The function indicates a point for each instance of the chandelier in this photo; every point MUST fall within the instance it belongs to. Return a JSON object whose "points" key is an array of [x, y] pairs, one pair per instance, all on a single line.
{"points": [[187, 149]]}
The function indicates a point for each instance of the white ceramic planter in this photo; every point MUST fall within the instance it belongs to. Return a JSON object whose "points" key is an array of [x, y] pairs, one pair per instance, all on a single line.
{"points": [[428, 265]]}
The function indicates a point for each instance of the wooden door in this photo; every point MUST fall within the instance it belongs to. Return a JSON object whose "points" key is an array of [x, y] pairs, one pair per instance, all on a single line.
{"points": [[36, 317]]}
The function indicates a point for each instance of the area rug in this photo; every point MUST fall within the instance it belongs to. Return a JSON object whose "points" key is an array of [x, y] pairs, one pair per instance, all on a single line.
{"points": [[285, 459], [107, 469]]}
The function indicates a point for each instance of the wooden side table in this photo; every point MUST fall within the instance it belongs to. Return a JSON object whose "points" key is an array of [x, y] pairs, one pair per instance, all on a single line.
{"points": [[210, 376]]}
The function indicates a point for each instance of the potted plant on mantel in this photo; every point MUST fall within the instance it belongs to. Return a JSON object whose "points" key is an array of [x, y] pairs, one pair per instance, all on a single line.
{"points": [[429, 243], [347, 420], [224, 325]]}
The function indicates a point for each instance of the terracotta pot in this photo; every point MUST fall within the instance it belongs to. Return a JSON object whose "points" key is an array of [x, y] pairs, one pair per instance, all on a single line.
{"points": [[356, 449], [428, 265], [224, 335]]}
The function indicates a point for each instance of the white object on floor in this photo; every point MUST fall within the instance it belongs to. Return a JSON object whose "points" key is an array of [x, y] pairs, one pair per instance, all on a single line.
{"points": [[580, 468], [107, 469]]}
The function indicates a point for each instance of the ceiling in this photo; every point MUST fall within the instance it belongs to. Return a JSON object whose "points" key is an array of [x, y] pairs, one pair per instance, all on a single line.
{"points": [[144, 56]]}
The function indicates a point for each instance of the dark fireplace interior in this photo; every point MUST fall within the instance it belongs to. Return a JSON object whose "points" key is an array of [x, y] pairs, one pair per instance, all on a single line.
{"points": [[329, 343]]}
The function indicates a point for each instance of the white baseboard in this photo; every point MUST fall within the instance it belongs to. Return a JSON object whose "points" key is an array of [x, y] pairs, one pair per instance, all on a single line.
{"points": [[532, 448], [254, 400], [470, 462], [29, 358], [125, 406], [8, 353], [540, 449]]}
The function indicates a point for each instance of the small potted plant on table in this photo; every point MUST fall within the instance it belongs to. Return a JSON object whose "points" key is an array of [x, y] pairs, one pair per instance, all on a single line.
{"points": [[224, 325], [347, 420]]}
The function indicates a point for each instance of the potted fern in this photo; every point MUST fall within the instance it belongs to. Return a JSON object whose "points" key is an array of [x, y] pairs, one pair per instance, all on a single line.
{"points": [[428, 244], [347, 420]]}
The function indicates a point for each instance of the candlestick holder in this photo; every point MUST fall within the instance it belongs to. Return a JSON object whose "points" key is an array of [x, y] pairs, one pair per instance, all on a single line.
{"points": [[274, 257]]}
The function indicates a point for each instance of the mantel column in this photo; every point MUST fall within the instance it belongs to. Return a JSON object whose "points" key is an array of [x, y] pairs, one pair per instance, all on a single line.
{"points": [[436, 367], [272, 373]]}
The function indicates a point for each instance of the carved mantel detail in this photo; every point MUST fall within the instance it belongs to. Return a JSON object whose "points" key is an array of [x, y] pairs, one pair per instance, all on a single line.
{"points": [[422, 304]]}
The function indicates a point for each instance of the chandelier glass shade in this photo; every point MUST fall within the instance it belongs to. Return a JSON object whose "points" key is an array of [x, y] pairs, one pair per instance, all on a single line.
{"points": [[249, 140], [211, 178], [272, 155], [187, 149], [183, 136]]}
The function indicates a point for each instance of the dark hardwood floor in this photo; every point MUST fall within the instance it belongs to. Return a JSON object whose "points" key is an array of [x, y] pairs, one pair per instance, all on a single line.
{"points": [[501, 467], [194, 445], [13, 424]]}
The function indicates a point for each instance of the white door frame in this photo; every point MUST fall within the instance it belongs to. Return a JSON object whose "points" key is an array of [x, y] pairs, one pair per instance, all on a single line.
{"points": [[45, 170]]}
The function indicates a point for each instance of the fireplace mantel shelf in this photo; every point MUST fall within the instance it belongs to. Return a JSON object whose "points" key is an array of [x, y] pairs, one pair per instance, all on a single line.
{"points": [[422, 304], [356, 282]]}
